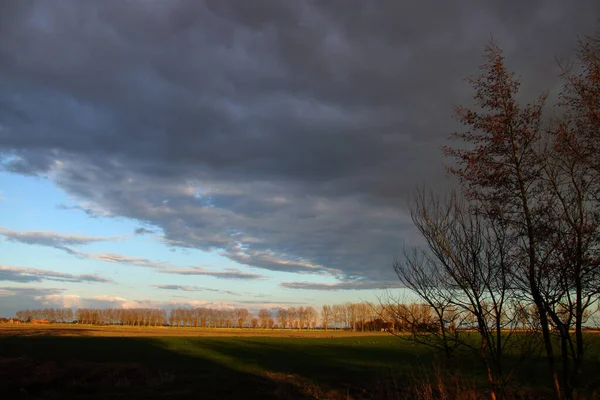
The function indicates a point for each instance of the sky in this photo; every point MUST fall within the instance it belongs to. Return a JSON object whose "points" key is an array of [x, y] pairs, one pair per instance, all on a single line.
{"points": [[237, 153]]}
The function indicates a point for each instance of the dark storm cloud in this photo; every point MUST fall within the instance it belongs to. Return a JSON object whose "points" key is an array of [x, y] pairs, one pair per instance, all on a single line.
{"points": [[25, 275], [284, 135]]}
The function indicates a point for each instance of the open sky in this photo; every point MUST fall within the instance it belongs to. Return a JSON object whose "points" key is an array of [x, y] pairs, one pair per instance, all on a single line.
{"points": [[228, 153]]}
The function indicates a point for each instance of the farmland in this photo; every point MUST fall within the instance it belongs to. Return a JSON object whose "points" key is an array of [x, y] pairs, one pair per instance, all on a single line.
{"points": [[161, 331], [95, 362], [58, 361]]}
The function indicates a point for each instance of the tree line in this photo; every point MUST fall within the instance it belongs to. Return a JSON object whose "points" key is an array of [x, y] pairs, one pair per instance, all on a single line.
{"points": [[51, 314], [518, 244], [345, 316], [391, 316]]}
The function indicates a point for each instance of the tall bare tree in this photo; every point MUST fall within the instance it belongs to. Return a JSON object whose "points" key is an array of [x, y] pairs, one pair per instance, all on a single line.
{"points": [[283, 318], [264, 316], [464, 275], [542, 186], [326, 316]]}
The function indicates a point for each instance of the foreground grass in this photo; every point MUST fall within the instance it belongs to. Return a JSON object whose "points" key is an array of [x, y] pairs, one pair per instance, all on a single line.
{"points": [[52, 363], [64, 362]]}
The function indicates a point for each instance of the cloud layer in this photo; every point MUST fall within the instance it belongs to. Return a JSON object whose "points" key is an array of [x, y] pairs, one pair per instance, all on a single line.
{"points": [[26, 275], [195, 289], [20, 298], [61, 241], [283, 135], [51, 239], [358, 285], [227, 273]]}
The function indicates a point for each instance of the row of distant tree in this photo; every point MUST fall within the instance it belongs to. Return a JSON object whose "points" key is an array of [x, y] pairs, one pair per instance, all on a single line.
{"points": [[51, 314], [346, 316], [391, 314]]}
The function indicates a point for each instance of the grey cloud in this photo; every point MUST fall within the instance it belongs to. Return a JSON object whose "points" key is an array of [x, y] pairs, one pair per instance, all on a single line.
{"points": [[271, 303], [284, 135], [255, 306], [28, 291], [196, 289], [144, 231], [25, 275], [87, 210], [168, 268], [359, 285], [59, 241], [273, 261], [17, 276], [123, 259], [184, 288], [92, 278], [49, 238], [227, 273]]}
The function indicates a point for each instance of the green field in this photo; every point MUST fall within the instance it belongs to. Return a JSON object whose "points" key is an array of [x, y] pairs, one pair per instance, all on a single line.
{"points": [[49, 366]]}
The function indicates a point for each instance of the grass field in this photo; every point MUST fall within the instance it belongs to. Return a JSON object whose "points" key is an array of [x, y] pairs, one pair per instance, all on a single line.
{"points": [[71, 361], [133, 331]]}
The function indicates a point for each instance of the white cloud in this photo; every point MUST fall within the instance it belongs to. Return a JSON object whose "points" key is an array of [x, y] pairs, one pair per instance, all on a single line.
{"points": [[60, 300]]}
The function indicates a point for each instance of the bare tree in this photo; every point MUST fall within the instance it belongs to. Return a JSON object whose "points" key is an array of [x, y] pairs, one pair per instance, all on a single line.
{"points": [[339, 315], [241, 315], [311, 317], [293, 317], [573, 174], [283, 318], [464, 275], [326, 316], [501, 173], [264, 316], [542, 186]]}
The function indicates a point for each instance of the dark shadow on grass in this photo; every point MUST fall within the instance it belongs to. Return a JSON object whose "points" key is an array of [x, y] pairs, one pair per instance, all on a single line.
{"points": [[46, 367], [357, 365], [350, 365], [183, 367]]}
